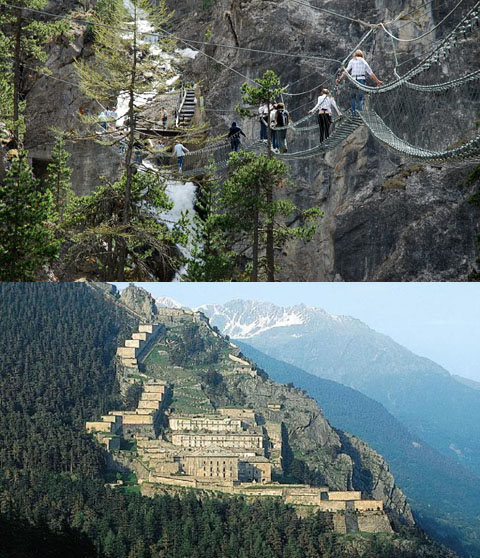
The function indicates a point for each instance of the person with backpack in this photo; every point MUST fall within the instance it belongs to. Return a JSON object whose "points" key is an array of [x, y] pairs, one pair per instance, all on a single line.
{"points": [[281, 122], [273, 132], [234, 135], [324, 105]]}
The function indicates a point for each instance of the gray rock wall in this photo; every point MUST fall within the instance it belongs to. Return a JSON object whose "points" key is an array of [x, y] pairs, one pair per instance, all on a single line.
{"points": [[422, 229], [53, 103]]}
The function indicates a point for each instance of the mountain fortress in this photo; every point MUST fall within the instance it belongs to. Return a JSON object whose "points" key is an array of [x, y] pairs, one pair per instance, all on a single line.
{"points": [[177, 438]]}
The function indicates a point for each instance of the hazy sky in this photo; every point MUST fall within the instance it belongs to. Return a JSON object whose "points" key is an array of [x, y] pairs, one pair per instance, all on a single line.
{"points": [[440, 321]]}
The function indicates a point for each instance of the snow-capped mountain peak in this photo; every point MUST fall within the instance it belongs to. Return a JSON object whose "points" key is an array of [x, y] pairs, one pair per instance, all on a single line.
{"points": [[244, 319], [166, 302]]}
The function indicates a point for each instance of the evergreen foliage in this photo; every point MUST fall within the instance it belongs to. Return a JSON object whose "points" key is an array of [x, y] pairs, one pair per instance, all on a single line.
{"points": [[211, 255], [59, 174], [267, 90], [140, 248], [23, 37], [121, 65], [27, 239], [233, 220], [251, 213]]}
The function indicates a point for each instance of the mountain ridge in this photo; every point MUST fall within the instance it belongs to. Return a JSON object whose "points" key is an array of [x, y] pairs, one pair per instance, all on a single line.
{"points": [[430, 480], [417, 391]]}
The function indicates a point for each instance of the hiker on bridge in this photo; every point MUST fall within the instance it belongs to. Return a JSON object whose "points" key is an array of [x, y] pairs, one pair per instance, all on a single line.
{"points": [[180, 151], [263, 118], [325, 103], [281, 121], [163, 117], [103, 118], [234, 135], [273, 131], [358, 67], [162, 157]]}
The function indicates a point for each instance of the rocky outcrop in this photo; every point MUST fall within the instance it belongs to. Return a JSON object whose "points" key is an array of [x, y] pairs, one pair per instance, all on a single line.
{"points": [[339, 460], [140, 301], [54, 102], [370, 470]]}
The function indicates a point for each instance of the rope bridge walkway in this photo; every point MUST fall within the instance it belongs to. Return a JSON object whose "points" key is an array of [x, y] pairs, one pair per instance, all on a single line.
{"points": [[414, 116]]}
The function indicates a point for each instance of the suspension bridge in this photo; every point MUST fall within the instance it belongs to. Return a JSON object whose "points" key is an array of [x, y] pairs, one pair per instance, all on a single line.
{"points": [[413, 116]]}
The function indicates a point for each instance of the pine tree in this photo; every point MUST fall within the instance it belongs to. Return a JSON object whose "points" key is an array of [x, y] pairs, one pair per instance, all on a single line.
{"points": [[94, 224], [22, 38], [122, 65], [59, 174], [267, 91], [211, 255], [251, 218], [26, 223]]}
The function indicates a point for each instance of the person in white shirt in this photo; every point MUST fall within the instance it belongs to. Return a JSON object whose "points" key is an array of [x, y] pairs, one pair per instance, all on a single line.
{"points": [[273, 132], [324, 105], [359, 68], [180, 151], [263, 118], [112, 118]]}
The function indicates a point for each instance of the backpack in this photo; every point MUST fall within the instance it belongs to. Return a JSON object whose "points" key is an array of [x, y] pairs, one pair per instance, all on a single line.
{"points": [[282, 118]]}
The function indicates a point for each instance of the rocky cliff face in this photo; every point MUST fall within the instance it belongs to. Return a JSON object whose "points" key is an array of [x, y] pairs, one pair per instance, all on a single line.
{"points": [[140, 301], [337, 459], [385, 218], [53, 103]]}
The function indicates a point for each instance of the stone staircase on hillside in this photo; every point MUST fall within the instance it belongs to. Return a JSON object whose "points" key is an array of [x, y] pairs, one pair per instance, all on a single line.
{"points": [[130, 424], [133, 351]]}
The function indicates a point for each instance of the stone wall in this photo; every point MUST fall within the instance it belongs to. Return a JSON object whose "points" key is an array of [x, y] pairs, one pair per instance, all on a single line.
{"points": [[99, 426], [237, 412], [133, 351], [368, 505], [374, 523], [345, 495]]}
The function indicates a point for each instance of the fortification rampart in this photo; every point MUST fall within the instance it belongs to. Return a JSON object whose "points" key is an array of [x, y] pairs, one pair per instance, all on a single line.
{"points": [[368, 505], [134, 350], [237, 412], [345, 495], [226, 451], [99, 426], [374, 522], [239, 360]]}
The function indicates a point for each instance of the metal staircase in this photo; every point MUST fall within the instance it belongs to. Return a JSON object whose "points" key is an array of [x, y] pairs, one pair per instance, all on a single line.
{"points": [[186, 107]]}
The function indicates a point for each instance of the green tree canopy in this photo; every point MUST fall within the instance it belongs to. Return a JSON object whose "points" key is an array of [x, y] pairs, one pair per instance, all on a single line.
{"points": [[27, 239]]}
